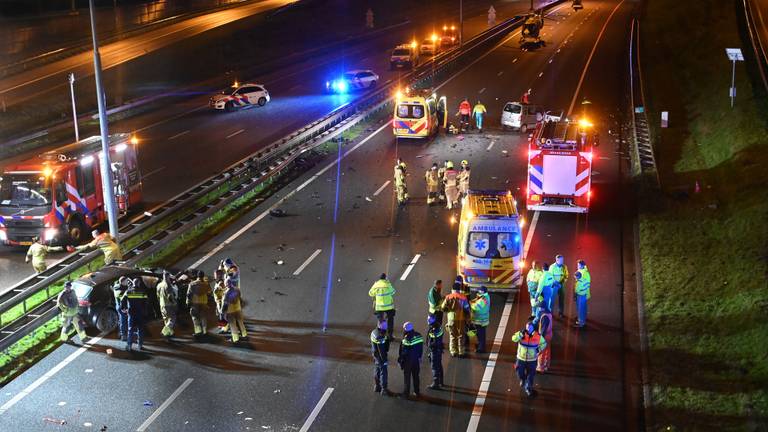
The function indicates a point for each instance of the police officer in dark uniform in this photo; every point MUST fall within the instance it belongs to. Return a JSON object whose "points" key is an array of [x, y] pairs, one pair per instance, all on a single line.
{"points": [[380, 351], [435, 354], [411, 350], [134, 303]]}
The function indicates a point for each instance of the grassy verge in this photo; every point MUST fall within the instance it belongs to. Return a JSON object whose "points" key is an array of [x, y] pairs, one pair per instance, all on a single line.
{"points": [[704, 237]]}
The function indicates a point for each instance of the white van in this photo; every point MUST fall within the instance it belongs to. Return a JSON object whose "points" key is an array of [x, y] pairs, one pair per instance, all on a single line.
{"points": [[521, 117]]}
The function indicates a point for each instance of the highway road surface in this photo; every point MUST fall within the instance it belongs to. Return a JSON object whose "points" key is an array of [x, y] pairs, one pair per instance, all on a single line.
{"points": [[306, 364]]}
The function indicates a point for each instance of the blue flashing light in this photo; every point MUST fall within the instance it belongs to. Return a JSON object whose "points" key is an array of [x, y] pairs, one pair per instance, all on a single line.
{"points": [[340, 86]]}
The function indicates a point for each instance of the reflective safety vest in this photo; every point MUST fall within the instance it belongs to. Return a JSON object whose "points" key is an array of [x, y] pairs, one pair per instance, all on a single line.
{"points": [[546, 332], [198, 292], [232, 301], [583, 285], [464, 108], [383, 294], [534, 276], [166, 295], [434, 299], [559, 272], [585, 274], [379, 346], [545, 285], [479, 109], [481, 309], [415, 340], [528, 346]]}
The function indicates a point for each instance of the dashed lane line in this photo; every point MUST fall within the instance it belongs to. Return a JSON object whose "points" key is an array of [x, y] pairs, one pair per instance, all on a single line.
{"points": [[165, 405], [179, 134], [410, 267], [316, 411], [306, 263], [379, 190], [235, 133]]}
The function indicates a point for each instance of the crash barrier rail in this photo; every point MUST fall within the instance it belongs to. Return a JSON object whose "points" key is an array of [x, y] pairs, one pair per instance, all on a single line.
{"points": [[242, 177], [644, 161], [761, 55]]}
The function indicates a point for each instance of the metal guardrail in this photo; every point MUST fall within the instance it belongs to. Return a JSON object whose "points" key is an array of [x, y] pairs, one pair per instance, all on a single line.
{"points": [[644, 159], [241, 177]]}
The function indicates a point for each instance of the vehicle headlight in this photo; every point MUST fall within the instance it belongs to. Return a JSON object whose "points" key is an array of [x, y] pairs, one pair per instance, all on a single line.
{"points": [[50, 234]]}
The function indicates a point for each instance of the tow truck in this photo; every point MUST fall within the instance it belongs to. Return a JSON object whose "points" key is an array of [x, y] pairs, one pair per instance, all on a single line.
{"points": [[57, 195], [560, 155], [529, 36], [490, 251]]}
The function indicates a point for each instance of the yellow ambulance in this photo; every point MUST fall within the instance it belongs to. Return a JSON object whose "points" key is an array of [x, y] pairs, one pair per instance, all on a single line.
{"points": [[490, 244], [418, 114]]}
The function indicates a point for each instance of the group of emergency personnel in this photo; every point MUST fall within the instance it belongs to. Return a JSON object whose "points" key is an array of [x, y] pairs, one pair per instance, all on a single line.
{"points": [[467, 111], [444, 183], [464, 317], [38, 250]]}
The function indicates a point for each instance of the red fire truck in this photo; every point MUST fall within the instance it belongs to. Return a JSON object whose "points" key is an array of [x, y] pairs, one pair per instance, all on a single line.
{"points": [[58, 196], [560, 166]]}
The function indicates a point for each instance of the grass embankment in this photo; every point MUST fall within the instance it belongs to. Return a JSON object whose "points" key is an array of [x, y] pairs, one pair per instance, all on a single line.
{"points": [[705, 248]]}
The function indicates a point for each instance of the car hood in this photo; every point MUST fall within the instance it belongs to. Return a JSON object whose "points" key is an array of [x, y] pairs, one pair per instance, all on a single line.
{"points": [[219, 97]]}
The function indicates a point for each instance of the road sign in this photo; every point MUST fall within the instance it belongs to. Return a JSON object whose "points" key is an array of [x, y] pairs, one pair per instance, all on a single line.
{"points": [[734, 54]]}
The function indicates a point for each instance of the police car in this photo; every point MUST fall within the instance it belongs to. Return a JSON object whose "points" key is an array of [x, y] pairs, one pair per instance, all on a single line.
{"points": [[352, 80], [244, 95]]}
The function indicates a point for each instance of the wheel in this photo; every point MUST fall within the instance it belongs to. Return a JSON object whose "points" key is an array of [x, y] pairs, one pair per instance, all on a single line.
{"points": [[229, 107], [372, 85], [76, 230], [524, 128], [262, 101], [107, 320]]}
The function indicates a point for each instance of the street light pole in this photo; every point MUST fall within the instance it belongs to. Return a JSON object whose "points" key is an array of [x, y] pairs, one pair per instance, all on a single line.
{"points": [[461, 22], [106, 164], [71, 77]]}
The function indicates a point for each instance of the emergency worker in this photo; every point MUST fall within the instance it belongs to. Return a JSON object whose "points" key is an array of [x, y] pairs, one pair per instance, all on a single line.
{"points": [[544, 324], [68, 304], [451, 186], [400, 187], [409, 358], [380, 352], [532, 279], [525, 99], [168, 297], [435, 354], [480, 308], [400, 163], [219, 288], [197, 299], [120, 288], [231, 272], [441, 179], [434, 299], [383, 294], [582, 293], [106, 243], [465, 109], [529, 344], [433, 184], [545, 291], [457, 308], [233, 310], [463, 178], [135, 303], [37, 253], [560, 274], [479, 112]]}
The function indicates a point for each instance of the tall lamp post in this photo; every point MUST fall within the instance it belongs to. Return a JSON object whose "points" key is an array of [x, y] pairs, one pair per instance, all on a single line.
{"points": [[71, 78], [106, 164], [461, 22]]}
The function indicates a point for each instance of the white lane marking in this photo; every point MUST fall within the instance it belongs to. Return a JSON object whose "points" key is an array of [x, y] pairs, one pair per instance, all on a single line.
{"points": [[158, 123], [38, 382], [306, 263], [490, 146], [410, 267], [235, 133], [589, 59], [378, 191], [258, 218], [265, 213], [540, 74], [514, 59], [318, 407], [153, 172], [481, 90], [550, 61], [165, 405], [500, 73], [485, 384], [179, 134]]}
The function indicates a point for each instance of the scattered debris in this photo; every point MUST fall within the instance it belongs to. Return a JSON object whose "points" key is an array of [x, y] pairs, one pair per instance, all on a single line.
{"points": [[276, 391], [370, 260], [279, 262], [277, 213], [239, 412], [368, 199], [62, 403], [280, 293], [262, 300], [504, 151], [148, 403], [89, 371], [54, 421], [109, 351], [87, 424]]}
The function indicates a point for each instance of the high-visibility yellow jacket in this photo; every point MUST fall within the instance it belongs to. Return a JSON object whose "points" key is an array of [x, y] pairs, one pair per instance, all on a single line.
{"points": [[198, 292], [108, 246], [67, 303], [559, 272], [232, 301], [37, 252], [481, 309], [383, 294], [529, 346]]}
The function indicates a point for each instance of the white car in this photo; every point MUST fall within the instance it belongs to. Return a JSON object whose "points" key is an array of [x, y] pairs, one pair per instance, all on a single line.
{"points": [[428, 47], [357, 79], [521, 117], [244, 95]]}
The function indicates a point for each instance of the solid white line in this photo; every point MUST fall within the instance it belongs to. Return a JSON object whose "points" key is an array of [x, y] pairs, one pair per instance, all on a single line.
{"points": [[165, 405], [38, 382], [490, 146], [529, 237], [514, 59], [317, 409], [235, 133], [410, 267], [589, 59], [153, 172], [265, 213], [500, 73], [378, 191], [481, 90], [540, 74], [306, 263], [179, 134]]}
